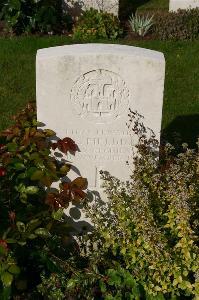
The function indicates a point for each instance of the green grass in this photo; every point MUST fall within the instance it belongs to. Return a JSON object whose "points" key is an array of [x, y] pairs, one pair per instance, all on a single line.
{"points": [[153, 5], [127, 7], [181, 97]]}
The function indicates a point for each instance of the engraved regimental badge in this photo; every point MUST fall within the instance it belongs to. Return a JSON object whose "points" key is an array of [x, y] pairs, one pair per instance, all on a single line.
{"points": [[100, 96]]}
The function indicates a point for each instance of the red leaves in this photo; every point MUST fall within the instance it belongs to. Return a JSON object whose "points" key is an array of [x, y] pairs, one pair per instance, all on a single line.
{"points": [[80, 183], [4, 244], [3, 154], [2, 148], [7, 132], [74, 190], [2, 171], [70, 191], [65, 145], [5, 158], [54, 201], [12, 216]]}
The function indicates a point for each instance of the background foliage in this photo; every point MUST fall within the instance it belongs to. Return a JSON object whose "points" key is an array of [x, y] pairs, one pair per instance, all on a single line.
{"points": [[183, 25], [96, 25], [32, 16]]}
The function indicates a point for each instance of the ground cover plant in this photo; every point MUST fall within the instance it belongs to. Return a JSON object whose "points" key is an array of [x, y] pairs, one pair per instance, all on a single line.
{"points": [[34, 234], [145, 240]]}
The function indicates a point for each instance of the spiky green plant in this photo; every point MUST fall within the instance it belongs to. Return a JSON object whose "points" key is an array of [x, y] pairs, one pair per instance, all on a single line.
{"points": [[141, 24]]}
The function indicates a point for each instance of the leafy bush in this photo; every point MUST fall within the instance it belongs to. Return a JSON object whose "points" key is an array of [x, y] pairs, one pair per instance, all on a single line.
{"points": [[145, 241], [32, 16], [90, 283], [140, 24], [180, 25], [34, 234], [152, 227], [95, 25]]}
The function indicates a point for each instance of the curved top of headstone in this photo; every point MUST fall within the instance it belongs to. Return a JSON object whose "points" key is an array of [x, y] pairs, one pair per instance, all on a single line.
{"points": [[88, 49]]}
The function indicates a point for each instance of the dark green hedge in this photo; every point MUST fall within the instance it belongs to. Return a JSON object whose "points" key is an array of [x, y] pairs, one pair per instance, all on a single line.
{"points": [[180, 25]]}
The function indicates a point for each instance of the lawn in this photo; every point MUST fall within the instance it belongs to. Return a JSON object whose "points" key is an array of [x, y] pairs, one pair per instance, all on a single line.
{"points": [[129, 6], [181, 97], [153, 4]]}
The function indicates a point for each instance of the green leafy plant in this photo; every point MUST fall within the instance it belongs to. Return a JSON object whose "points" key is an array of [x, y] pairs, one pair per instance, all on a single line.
{"points": [[140, 24], [180, 25], [32, 16], [150, 224], [145, 239], [90, 283], [95, 25], [34, 231], [8, 269]]}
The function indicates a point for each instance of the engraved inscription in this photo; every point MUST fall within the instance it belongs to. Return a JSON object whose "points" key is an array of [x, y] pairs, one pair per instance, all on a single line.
{"points": [[100, 96], [102, 149], [102, 145]]}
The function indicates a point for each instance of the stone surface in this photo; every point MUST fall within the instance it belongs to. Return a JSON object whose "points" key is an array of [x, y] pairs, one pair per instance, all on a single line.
{"points": [[85, 91], [183, 4], [76, 7]]}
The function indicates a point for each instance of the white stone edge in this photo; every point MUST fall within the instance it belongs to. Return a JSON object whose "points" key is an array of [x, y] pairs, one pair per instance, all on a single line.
{"points": [[90, 49]]}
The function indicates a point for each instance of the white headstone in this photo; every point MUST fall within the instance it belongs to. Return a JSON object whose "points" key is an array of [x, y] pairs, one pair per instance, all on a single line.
{"points": [[85, 91], [174, 5], [76, 7]]}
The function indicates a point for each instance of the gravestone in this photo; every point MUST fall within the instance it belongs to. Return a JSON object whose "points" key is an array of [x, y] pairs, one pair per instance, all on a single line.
{"points": [[85, 92], [76, 7], [174, 5]]}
